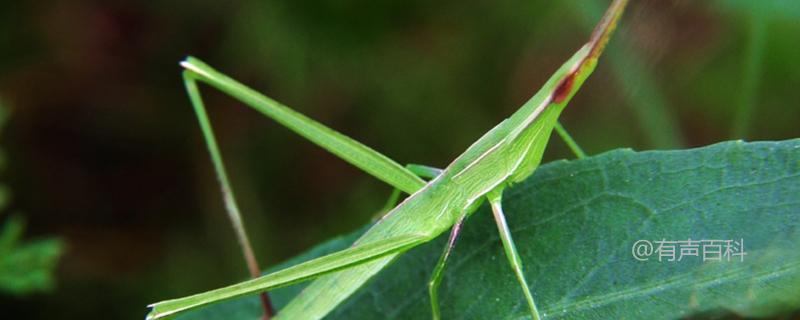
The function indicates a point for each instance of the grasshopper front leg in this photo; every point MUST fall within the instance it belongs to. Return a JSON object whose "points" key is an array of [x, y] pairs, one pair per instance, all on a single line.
{"points": [[495, 200]]}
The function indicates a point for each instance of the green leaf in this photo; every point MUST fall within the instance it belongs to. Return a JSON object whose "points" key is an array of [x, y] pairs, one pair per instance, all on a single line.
{"points": [[575, 223], [26, 267]]}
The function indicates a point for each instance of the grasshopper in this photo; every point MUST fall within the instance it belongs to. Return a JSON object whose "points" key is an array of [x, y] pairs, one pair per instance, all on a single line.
{"points": [[506, 154]]}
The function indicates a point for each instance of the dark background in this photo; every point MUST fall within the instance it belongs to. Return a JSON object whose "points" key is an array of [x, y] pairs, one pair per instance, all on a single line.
{"points": [[104, 150]]}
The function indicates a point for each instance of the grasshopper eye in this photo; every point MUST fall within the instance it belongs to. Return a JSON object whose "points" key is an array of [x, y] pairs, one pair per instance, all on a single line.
{"points": [[562, 91]]}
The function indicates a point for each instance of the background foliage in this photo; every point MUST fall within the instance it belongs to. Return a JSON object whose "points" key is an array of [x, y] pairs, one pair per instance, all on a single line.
{"points": [[103, 148], [25, 266]]}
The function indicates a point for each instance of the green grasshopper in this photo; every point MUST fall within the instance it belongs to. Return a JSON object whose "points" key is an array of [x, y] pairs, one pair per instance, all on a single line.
{"points": [[506, 154]]}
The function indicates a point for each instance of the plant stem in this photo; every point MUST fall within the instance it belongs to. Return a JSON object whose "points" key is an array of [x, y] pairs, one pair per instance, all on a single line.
{"points": [[751, 75], [647, 102]]}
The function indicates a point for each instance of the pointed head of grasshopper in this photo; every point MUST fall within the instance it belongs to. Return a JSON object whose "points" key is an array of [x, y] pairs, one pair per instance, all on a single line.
{"points": [[536, 119], [533, 133]]}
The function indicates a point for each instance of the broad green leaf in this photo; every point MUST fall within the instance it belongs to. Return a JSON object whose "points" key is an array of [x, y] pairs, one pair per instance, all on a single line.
{"points": [[575, 223]]}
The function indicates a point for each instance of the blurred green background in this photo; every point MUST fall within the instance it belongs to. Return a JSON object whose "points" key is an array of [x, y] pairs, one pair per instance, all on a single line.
{"points": [[103, 149]]}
